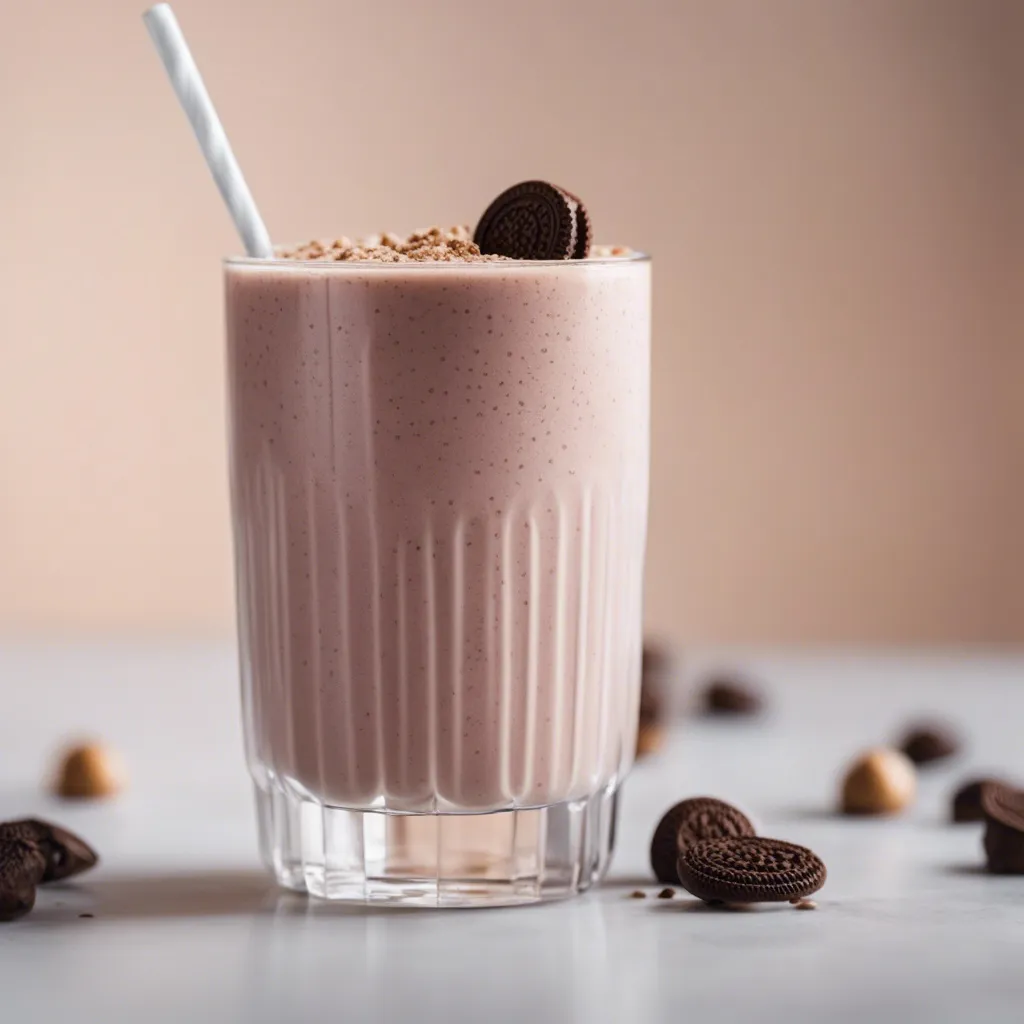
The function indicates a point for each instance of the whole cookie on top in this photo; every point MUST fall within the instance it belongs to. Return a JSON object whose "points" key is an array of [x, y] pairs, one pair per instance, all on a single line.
{"points": [[535, 220]]}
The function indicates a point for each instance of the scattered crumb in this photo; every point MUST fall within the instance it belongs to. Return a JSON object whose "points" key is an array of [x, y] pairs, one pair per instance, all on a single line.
{"points": [[638, 894], [804, 904], [436, 245], [602, 252], [667, 894], [86, 915]]}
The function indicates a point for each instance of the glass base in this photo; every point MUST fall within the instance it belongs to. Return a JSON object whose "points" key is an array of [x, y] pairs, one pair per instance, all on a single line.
{"points": [[436, 860]]}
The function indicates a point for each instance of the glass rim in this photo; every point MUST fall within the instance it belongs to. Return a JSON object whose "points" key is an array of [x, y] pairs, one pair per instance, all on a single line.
{"points": [[444, 266]]}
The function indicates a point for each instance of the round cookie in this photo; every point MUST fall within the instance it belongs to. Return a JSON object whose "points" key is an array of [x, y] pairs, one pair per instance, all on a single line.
{"points": [[748, 869], [688, 822], [534, 220]]}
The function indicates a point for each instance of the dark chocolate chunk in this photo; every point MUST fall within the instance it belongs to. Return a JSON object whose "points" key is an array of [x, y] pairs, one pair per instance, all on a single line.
{"points": [[66, 854], [534, 220], [965, 805], [1004, 828], [688, 822], [748, 869], [22, 865], [726, 695], [930, 742]]}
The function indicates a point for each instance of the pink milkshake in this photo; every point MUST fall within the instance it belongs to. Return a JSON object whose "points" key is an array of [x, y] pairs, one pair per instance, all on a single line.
{"points": [[439, 478]]}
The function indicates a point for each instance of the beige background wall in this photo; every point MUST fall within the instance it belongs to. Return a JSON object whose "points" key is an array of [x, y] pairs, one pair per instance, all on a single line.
{"points": [[827, 186]]}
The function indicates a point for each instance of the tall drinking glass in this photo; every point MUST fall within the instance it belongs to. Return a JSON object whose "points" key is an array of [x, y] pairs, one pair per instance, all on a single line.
{"points": [[439, 489]]}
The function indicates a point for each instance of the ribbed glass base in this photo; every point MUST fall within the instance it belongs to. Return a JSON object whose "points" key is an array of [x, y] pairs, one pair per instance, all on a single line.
{"points": [[436, 860]]}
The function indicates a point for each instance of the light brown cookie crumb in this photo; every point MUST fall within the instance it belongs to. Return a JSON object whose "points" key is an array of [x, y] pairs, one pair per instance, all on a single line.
{"points": [[438, 245]]}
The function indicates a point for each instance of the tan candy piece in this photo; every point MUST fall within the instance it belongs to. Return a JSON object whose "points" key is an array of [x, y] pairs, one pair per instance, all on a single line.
{"points": [[650, 738], [89, 772], [880, 781]]}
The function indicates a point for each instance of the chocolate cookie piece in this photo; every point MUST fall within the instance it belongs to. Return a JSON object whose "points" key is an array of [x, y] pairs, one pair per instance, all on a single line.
{"points": [[730, 695], [930, 742], [1004, 829], [689, 822], [66, 854], [534, 220], [21, 868], [749, 869], [965, 805]]}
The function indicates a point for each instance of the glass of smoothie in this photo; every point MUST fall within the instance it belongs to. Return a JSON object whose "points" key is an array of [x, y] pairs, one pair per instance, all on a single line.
{"points": [[439, 469]]}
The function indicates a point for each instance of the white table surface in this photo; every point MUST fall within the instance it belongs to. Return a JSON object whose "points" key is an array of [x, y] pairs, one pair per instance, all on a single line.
{"points": [[188, 929]]}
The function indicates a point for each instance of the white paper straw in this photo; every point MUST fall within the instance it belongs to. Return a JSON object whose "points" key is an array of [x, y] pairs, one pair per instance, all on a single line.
{"points": [[192, 94]]}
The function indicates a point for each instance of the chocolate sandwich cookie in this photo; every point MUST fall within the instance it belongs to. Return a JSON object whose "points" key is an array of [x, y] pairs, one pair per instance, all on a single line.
{"points": [[748, 869], [689, 822], [930, 742], [22, 865], [535, 220], [66, 854], [1004, 828]]}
